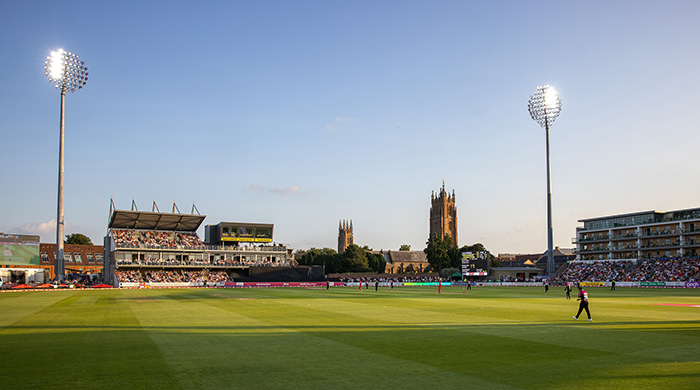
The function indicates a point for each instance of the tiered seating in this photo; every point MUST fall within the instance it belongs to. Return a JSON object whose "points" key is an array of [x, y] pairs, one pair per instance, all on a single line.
{"points": [[584, 271], [684, 269]]}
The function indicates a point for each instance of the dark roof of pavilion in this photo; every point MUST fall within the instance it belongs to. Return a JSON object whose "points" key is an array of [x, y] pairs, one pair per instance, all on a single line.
{"points": [[126, 219], [408, 257]]}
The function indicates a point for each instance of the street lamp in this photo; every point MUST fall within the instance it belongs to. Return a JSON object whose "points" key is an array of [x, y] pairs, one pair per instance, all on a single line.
{"points": [[69, 74], [544, 107]]}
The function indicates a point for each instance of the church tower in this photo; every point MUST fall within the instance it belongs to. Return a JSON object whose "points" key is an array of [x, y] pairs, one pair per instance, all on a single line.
{"points": [[443, 215], [344, 235]]}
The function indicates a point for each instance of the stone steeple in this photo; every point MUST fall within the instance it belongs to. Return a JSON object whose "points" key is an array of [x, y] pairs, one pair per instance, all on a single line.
{"points": [[345, 237], [443, 214]]}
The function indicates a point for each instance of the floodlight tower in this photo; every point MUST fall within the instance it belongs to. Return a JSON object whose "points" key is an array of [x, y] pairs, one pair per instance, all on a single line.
{"points": [[544, 107], [69, 74]]}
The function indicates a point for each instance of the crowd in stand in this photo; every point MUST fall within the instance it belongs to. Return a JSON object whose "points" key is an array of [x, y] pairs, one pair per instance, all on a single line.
{"points": [[510, 278], [129, 276], [583, 271], [155, 238], [207, 276], [190, 240], [403, 279], [158, 239], [162, 276], [172, 276], [685, 269], [203, 262], [125, 238]]}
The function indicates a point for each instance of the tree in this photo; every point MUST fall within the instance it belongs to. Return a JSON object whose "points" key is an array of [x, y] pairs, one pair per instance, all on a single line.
{"points": [[455, 255], [354, 259], [326, 257], [77, 239], [447, 273], [479, 247], [438, 252], [376, 262], [405, 247]]}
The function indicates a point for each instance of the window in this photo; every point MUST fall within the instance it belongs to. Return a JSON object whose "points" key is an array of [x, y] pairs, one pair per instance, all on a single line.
{"points": [[90, 259], [99, 258], [44, 257], [78, 258], [67, 257]]}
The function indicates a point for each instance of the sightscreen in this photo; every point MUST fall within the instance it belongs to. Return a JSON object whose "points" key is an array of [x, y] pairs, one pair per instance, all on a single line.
{"points": [[19, 249]]}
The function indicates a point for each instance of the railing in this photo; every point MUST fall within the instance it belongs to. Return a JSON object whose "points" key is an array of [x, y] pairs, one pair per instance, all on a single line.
{"points": [[201, 263], [278, 248]]}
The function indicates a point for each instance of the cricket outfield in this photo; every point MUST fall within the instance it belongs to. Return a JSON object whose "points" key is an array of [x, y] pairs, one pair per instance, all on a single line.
{"points": [[343, 338]]}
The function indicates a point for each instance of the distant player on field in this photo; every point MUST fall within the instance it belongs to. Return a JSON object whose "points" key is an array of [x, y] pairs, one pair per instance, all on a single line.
{"points": [[583, 298], [568, 290]]}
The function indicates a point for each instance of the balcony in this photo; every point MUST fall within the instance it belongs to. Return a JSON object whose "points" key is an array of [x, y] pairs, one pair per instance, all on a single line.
{"points": [[664, 245], [624, 248], [599, 249], [665, 233], [624, 237], [591, 239]]}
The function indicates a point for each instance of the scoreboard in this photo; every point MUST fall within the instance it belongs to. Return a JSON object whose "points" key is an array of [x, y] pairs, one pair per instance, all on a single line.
{"points": [[475, 264], [17, 249]]}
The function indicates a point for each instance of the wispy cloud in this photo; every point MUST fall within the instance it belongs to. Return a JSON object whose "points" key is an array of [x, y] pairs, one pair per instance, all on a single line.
{"points": [[46, 230], [331, 127], [288, 191]]}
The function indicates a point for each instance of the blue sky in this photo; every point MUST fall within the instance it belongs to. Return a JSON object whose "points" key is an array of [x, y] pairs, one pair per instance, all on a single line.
{"points": [[303, 113]]}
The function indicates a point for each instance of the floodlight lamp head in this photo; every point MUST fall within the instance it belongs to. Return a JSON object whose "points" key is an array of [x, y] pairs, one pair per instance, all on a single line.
{"points": [[544, 105], [65, 70]]}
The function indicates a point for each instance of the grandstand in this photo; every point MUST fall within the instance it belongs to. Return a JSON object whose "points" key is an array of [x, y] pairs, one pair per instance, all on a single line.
{"points": [[662, 270], [154, 247], [641, 247], [641, 235]]}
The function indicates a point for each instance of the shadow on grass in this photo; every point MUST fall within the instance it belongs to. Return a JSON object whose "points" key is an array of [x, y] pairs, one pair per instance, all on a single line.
{"points": [[634, 326]]}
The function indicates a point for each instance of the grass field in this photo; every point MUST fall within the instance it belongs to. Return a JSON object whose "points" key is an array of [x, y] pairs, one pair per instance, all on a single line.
{"points": [[411, 337]]}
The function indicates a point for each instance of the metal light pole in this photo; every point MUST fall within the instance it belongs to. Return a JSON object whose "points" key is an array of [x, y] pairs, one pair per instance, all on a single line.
{"points": [[69, 74], [544, 107]]}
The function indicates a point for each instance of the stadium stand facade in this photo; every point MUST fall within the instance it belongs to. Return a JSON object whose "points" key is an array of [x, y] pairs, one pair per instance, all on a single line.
{"points": [[155, 247], [641, 235]]}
